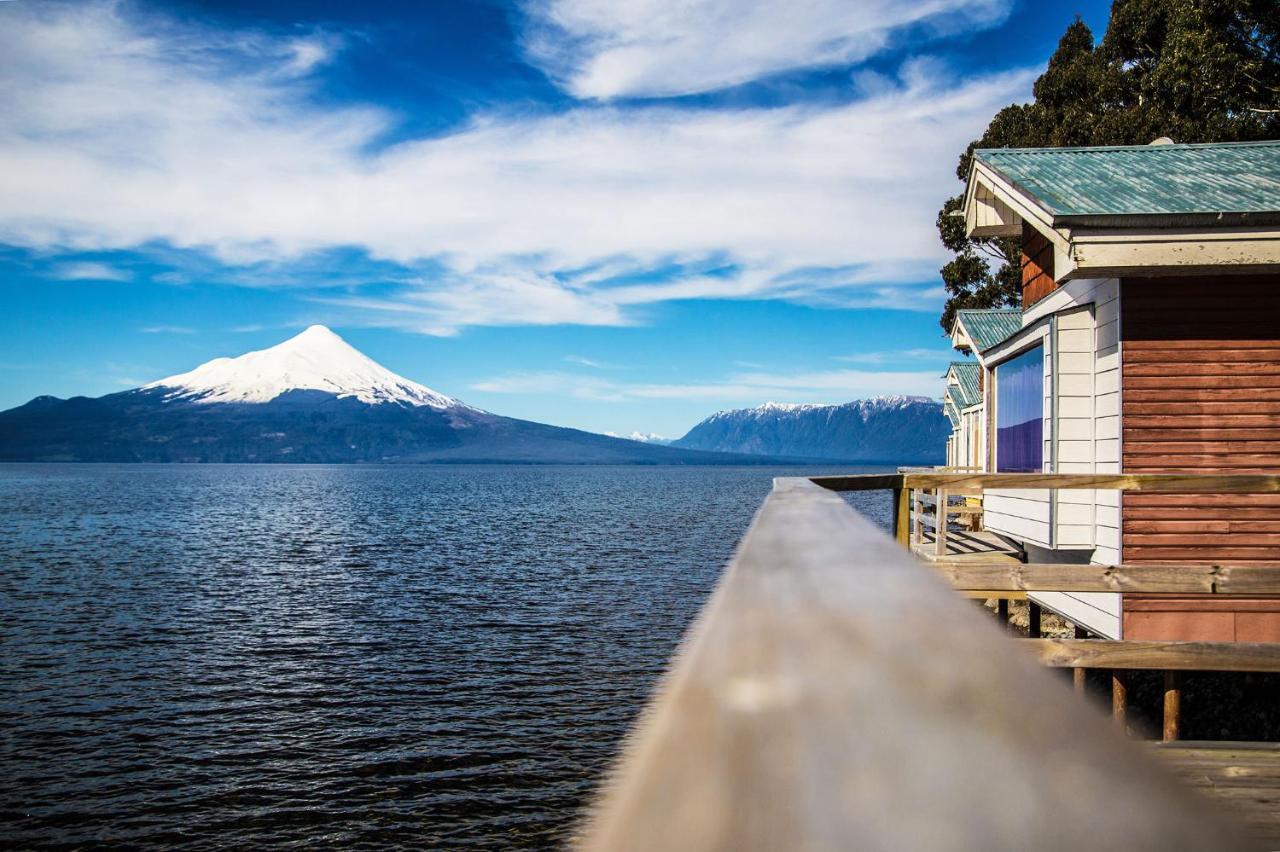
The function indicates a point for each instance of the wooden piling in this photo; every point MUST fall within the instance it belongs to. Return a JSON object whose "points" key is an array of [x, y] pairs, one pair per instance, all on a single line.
{"points": [[1172, 706], [1119, 697]]}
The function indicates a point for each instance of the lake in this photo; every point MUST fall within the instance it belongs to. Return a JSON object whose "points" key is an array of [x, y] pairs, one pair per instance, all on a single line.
{"points": [[325, 656]]}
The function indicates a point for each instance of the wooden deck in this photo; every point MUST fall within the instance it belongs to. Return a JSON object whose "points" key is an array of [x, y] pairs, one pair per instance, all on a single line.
{"points": [[965, 546], [1241, 779]]}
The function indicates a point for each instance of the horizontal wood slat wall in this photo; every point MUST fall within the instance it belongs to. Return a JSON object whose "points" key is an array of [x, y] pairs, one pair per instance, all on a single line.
{"points": [[1037, 267], [1201, 393]]}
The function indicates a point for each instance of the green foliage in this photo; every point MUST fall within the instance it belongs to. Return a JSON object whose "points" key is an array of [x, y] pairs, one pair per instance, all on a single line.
{"points": [[1192, 70]]}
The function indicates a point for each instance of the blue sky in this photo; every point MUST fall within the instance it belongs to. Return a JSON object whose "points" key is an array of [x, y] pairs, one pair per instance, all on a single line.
{"points": [[610, 215]]}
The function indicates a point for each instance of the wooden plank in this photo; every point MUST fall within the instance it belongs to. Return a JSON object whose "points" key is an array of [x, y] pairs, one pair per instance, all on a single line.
{"points": [[1213, 393], [832, 694], [1187, 348], [1196, 421], [1151, 553], [1164, 382], [1172, 539], [1138, 369], [1217, 462], [1261, 502], [1163, 579], [1199, 515], [1201, 447], [1200, 525], [1191, 409], [1148, 482], [1219, 432], [1164, 656]]}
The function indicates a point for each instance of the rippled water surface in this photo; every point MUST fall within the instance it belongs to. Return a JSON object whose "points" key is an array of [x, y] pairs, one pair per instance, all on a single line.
{"points": [[225, 656]]}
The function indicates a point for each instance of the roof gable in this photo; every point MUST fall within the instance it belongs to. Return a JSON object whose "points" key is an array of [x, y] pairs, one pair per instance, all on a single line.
{"points": [[966, 391], [988, 327]]}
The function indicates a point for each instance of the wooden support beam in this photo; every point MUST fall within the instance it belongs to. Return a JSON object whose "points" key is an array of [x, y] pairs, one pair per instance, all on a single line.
{"points": [[1033, 620], [918, 514], [1140, 654], [940, 527], [901, 516], [832, 694], [1119, 697], [1077, 680], [1172, 706], [1168, 579]]}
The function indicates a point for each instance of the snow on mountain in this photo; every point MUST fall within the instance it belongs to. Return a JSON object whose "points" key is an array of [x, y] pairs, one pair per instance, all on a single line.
{"points": [[316, 359], [649, 438], [886, 428]]}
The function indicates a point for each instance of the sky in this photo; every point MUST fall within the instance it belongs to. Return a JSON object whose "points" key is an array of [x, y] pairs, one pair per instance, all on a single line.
{"points": [[618, 216]]}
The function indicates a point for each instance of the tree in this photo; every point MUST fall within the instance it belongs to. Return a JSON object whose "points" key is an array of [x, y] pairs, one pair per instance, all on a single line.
{"points": [[1192, 70]]}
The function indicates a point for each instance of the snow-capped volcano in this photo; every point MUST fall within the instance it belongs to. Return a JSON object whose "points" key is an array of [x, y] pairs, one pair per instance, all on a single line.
{"points": [[317, 359]]}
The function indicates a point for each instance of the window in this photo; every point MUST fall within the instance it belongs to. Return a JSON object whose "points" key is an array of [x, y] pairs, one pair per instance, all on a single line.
{"points": [[1020, 413]]}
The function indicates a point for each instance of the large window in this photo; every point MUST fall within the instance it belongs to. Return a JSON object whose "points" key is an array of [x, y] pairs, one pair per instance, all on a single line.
{"points": [[1020, 413]]}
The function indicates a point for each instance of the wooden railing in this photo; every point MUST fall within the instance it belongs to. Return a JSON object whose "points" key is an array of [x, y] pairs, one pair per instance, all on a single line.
{"points": [[835, 693]]}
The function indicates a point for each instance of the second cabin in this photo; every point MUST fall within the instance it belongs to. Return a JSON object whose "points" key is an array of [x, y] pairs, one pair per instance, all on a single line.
{"points": [[1148, 340]]}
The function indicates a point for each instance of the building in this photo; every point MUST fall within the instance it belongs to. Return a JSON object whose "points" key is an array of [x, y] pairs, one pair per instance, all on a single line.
{"points": [[1148, 340]]}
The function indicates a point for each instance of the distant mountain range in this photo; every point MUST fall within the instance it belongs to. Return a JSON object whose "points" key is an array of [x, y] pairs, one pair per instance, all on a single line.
{"points": [[314, 398], [905, 429]]}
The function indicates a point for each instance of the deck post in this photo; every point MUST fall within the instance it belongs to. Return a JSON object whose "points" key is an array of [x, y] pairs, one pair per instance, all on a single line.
{"points": [[902, 516], [1172, 706], [1077, 680], [940, 522], [917, 524], [1033, 620], [1119, 697], [1002, 612]]}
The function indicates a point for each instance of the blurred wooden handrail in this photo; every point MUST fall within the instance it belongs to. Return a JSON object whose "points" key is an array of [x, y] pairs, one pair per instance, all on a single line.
{"points": [[1152, 482], [1146, 579], [834, 693], [1165, 656]]}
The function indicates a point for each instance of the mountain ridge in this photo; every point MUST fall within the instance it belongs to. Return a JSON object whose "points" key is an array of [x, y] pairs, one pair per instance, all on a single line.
{"points": [[311, 399], [906, 429]]}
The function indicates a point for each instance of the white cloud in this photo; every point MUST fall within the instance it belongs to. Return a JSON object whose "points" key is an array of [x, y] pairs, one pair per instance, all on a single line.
{"points": [[750, 388], [167, 329], [206, 141], [88, 271], [609, 49]]}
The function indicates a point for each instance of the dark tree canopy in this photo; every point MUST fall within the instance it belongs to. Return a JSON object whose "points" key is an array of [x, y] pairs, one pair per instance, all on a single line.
{"points": [[1192, 70]]}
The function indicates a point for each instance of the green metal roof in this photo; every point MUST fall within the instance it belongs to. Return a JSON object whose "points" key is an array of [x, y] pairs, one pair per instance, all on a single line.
{"points": [[967, 393], [988, 327], [1145, 180], [952, 414]]}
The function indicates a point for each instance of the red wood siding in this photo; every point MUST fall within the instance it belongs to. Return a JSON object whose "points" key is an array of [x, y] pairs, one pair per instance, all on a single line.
{"points": [[1202, 619], [1037, 266], [1201, 393]]}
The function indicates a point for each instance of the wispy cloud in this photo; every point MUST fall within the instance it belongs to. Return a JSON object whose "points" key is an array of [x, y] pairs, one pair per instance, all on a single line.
{"points": [[89, 271], [898, 356], [167, 329], [751, 388], [609, 49], [212, 143], [589, 362]]}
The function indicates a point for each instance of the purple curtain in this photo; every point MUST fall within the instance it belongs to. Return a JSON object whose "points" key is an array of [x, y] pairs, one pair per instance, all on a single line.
{"points": [[1020, 413]]}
